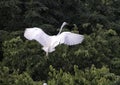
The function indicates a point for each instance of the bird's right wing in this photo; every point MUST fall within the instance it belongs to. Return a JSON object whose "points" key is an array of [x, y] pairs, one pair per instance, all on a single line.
{"points": [[70, 38], [38, 35]]}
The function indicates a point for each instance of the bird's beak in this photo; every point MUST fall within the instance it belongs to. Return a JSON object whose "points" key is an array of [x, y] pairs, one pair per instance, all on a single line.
{"points": [[66, 23]]}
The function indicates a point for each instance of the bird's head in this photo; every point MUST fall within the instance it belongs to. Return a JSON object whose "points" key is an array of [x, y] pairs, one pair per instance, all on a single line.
{"points": [[65, 23]]}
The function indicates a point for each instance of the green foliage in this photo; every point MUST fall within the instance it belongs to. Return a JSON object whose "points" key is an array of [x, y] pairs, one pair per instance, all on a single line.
{"points": [[10, 14], [18, 14], [14, 78], [90, 76], [94, 62], [29, 58], [100, 48]]}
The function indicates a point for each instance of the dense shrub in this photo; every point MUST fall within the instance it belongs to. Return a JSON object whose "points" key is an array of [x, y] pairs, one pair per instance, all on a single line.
{"points": [[100, 48], [96, 61], [14, 78], [90, 76]]}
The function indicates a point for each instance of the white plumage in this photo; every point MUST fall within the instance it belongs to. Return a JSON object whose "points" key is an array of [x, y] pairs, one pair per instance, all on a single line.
{"points": [[50, 42], [44, 83]]}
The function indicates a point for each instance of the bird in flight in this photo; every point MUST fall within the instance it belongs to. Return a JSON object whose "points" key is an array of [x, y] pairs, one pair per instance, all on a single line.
{"points": [[50, 42]]}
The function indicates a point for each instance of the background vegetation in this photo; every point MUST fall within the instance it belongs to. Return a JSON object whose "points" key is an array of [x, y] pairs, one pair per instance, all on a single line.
{"points": [[94, 62]]}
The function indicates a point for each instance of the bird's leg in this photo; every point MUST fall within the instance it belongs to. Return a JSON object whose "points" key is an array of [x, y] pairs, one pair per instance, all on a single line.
{"points": [[46, 53], [46, 56]]}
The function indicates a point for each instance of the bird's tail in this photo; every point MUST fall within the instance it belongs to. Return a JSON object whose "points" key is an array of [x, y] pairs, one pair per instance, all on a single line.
{"points": [[48, 49]]}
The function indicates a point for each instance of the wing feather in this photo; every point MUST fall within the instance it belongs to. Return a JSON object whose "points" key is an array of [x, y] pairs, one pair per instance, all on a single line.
{"points": [[38, 35], [70, 38]]}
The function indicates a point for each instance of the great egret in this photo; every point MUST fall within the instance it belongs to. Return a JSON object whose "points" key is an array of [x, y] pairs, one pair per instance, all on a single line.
{"points": [[50, 42]]}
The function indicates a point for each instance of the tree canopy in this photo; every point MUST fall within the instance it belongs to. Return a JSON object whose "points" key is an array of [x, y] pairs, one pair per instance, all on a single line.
{"points": [[94, 62]]}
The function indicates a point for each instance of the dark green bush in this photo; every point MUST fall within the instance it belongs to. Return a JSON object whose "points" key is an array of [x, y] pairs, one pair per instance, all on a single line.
{"points": [[22, 62], [100, 48], [90, 76], [14, 78]]}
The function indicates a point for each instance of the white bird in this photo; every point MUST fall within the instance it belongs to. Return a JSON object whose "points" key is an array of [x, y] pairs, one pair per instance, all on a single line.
{"points": [[44, 83], [50, 42]]}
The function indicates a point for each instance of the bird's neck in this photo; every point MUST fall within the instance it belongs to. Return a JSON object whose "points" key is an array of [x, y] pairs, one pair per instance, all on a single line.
{"points": [[61, 28]]}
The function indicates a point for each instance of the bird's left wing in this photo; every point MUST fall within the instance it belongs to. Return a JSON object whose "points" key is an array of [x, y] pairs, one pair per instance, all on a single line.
{"points": [[38, 35], [70, 38]]}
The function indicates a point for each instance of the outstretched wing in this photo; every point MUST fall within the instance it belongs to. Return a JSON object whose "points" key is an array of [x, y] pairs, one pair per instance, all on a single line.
{"points": [[70, 38], [38, 35]]}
